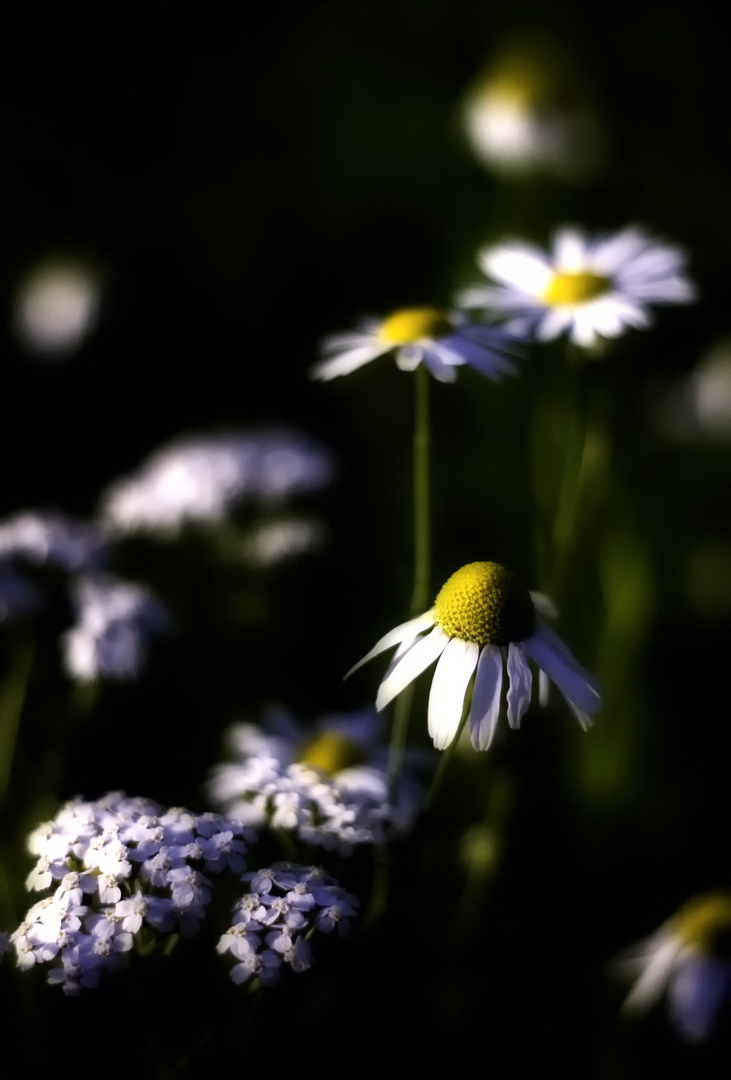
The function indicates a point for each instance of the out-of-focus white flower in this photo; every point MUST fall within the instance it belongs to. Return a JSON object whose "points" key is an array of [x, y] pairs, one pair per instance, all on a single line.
{"points": [[271, 927], [115, 621], [200, 479], [531, 111], [115, 866], [590, 288], [697, 407], [56, 307], [50, 538], [442, 341], [273, 542], [689, 959], [483, 621], [327, 784]]}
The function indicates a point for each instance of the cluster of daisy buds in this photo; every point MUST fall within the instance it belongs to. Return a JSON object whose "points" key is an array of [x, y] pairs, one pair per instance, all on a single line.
{"points": [[272, 923], [118, 865]]}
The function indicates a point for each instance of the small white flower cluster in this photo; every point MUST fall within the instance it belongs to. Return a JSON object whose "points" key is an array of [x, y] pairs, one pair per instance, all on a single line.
{"points": [[201, 479], [50, 538], [117, 865], [337, 809], [43, 538], [272, 923], [115, 621]]}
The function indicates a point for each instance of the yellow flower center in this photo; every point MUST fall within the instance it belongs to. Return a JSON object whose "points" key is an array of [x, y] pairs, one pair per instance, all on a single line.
{"points": [[485, 603], [330, 752], [414, 324], [704, 923], [574, 288]]}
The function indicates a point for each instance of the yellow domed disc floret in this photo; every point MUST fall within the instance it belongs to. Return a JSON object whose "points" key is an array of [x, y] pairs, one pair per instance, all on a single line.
{"points": [[704, 923], [414, 324], [485, 603], [575, 288], [331, 752]]}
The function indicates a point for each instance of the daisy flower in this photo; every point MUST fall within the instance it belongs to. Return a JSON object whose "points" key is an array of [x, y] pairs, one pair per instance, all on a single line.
{"points": [[689, 959], [483, 618], [590, 288], [441, 340], [530, 112]]}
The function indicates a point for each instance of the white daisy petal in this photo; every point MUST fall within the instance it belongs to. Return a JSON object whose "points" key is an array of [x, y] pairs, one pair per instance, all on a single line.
{"points": [[448, 689], [655, 972], [485, 708], [574, 682], [521, 682], [696, 994], [520, 265], [411, 664], [400, 635], [346, 362]]}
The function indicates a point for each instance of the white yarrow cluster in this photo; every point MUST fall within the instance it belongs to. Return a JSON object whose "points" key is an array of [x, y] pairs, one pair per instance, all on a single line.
{"points": [[51, 538], [114, 623], [201, 479], [273, 922], [115, 866]]}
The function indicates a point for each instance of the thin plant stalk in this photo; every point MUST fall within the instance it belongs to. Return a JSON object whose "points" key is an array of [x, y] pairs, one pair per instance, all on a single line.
{"points": [[422, 560]]}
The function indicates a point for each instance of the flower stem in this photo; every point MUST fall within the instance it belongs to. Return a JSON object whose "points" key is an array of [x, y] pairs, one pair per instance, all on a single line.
{"points": [[422, 515], [422, 562]]}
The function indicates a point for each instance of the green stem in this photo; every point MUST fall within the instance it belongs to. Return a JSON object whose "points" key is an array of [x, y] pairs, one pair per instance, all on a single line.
{"points": [[444, 761], [422, 563], [422, 514]]}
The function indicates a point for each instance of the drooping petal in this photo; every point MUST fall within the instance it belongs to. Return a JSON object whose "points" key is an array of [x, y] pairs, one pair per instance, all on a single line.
{"points": [[521, 682], [347, 361], [411, 664], [439, 363], [575, 683], [408, 357], [553, 657], [696, 994], [656, 966], [544, 688], [485, 708], [449, 687], [405, 633]]}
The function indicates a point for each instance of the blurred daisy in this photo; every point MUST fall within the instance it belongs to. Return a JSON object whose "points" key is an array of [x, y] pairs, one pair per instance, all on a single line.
{"points": [[530, 111], [57, 307], [689, 958], [442, 341], [590, 288], [483, 618]]}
